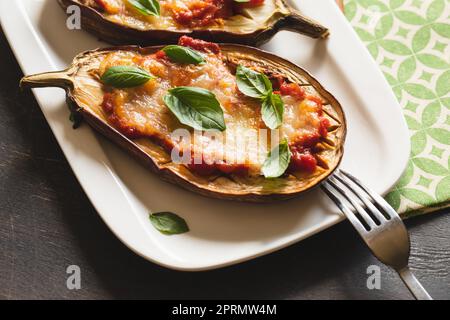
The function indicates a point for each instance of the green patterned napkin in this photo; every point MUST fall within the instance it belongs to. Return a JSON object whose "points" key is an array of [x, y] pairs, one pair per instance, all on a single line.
{"points": [[410, 40]]}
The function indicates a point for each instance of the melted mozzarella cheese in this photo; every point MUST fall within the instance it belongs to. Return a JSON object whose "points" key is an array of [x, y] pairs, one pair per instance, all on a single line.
{"points": [[246, 139]]}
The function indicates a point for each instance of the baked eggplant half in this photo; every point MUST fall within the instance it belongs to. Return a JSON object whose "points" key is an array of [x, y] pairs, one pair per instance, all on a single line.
{"points": [[148, 22], [226, 121]]}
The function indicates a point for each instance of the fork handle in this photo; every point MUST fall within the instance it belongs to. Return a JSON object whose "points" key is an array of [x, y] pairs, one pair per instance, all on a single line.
{"points": [[413, 284]]}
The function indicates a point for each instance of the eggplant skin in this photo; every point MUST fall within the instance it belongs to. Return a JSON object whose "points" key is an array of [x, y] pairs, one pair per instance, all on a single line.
{"points": [[118, 34], [155, 158]]}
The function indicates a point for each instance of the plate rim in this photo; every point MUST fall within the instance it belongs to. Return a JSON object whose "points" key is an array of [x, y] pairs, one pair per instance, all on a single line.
{"points": [[17, 42]]}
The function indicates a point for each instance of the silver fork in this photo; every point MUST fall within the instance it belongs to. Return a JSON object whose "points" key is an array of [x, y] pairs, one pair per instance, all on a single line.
{"points": [[377, 223]]}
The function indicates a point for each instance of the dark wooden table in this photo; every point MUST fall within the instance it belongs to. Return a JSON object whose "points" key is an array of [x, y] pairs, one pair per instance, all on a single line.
{"points": [[47, 224]]}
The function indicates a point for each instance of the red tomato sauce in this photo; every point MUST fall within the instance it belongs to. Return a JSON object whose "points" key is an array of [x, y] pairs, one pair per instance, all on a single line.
{"points": [[205, 12], [302, 161], [199, 45], [303, 153], [102, 4], [292, 89], [303, 158], [160, 55]]}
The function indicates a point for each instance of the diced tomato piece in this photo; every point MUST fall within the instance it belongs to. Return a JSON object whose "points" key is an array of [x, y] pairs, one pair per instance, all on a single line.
{"points": [[202, 168], [303, 161], [199, 44], [160, 55], [108, 102], [184, 17], [302, 153], [108, 6], [201, 12], [324, 125], [308, 140], [292, 89]]}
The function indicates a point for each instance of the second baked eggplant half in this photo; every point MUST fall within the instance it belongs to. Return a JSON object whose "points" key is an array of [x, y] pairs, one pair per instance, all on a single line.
{"points": [[227, 121], [146, 22]]}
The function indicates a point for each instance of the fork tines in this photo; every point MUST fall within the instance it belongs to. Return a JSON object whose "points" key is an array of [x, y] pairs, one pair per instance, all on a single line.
{"points": [[364, 208]]}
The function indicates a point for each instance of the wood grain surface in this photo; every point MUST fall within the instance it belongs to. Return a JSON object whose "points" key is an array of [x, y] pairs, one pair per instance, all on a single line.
{"points": [[47, 224]]}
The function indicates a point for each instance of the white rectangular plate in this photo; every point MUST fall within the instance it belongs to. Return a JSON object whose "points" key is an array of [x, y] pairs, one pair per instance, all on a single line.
{"points": [[222, 233]]}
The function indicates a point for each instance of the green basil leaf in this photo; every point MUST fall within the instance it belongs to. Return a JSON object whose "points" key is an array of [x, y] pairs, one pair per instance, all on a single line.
{"points": [[125, 77], [168, 223], [272, 111], [196, 107], [277, 161], [182, 54], [252, 83], [147, 7]]}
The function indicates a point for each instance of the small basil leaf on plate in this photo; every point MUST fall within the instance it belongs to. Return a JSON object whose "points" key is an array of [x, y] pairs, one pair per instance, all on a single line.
{"points": [[253, 84], [272, 111], [146, 7], [182, 54], [277, 161], [196, 107], [125, 77], [168, 223]]}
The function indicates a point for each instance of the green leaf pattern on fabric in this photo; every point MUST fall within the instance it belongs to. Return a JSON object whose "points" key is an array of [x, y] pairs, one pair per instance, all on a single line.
{"points": [[410, 40]]}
